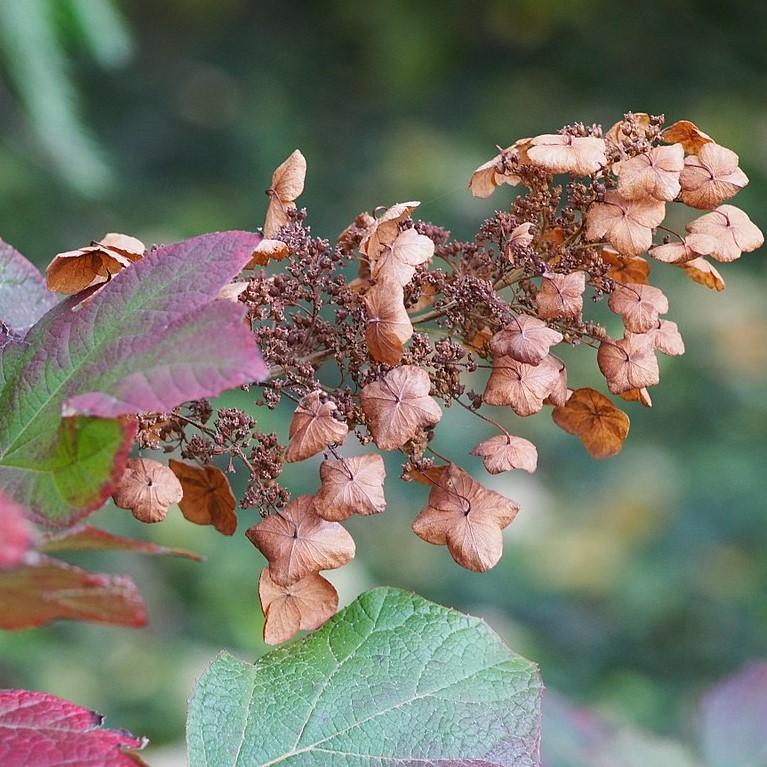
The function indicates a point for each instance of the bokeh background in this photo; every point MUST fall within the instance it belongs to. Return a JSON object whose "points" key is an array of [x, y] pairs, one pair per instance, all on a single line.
{"points": [[635, 582]]}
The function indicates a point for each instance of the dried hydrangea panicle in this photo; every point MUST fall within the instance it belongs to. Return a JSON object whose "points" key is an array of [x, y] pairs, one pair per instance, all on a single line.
{"points": [[711, 177], [208, 497], [314, 427], [467, 517], [506, 452], [731, 229], [147, 489], [94, 264], [652, 174], [526, 339], [266, 251], [298, 542], [628, 363], [638, 305], [627, 224], [591, 416], [561, 296], [704, 273], [302, 606], [691, 247], [490, 175], [286, 187], [564, 153], [351, 486], [398, 406], [388, 326], [625, 269], [686, 133], [522, 387], [397, 260]]}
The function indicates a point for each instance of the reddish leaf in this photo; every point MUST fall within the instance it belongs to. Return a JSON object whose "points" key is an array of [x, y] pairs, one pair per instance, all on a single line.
{"points": [[208, 498], [313, 428], [41, 730], [44, 590], [351, 486], [398, 406], [88, 538], [303, 606], [297, 542], [15, 533]]}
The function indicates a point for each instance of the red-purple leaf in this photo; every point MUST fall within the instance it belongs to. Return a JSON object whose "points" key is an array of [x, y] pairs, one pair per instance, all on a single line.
{"points": [[41, 730], [88, 538], [42, 590], [15, 533], [734, 719], [23, 295], [151, 338]]}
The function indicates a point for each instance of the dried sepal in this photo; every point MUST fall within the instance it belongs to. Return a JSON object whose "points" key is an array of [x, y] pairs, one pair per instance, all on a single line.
{"points": [[591, 416], [351, 486], [266, 251], [506, 452], [467, 517], [386, 229], [526, 339], [297, 542], [147, 489], [561, 296], [388, 325], [398, 406], [490, 174], [638, 305], [704, 273], [314, 427], [208, 497], [711, 177], [667, 339], [627, 224], [652, 174], [286, 187], [691, 247], [397, 260], [520, 386], [628, 363], [625, 269], [686, 133], [563, 153], [642, 396], [301, 606], [731, 229], [76, 270]]}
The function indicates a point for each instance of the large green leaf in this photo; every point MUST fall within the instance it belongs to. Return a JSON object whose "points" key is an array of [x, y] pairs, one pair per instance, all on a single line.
{"points": [[391, 680]]}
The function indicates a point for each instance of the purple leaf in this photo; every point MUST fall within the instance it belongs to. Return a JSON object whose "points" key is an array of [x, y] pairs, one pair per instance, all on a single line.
{"points": [[152, 338], [23, 295], [41, 730], [734, 720]]}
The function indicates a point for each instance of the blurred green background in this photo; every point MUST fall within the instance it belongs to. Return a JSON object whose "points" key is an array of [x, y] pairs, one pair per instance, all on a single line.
{"points": [[635, 582]]}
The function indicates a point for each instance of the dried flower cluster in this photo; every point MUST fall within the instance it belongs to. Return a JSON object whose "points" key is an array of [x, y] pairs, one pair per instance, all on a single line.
{"points": [[379, 355]]}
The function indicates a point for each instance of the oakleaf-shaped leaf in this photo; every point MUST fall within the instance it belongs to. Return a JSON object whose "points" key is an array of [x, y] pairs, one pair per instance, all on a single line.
{"points": [[391, 681], [45, 731], [151, 338], [23, 295]]}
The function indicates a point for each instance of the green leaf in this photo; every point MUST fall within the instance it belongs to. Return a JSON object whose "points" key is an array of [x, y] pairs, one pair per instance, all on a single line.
{"points": [[391, 680]]}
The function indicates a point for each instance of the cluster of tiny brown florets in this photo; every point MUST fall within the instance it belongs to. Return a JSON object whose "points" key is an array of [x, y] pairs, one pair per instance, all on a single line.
{"points": [[375, 334]]}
